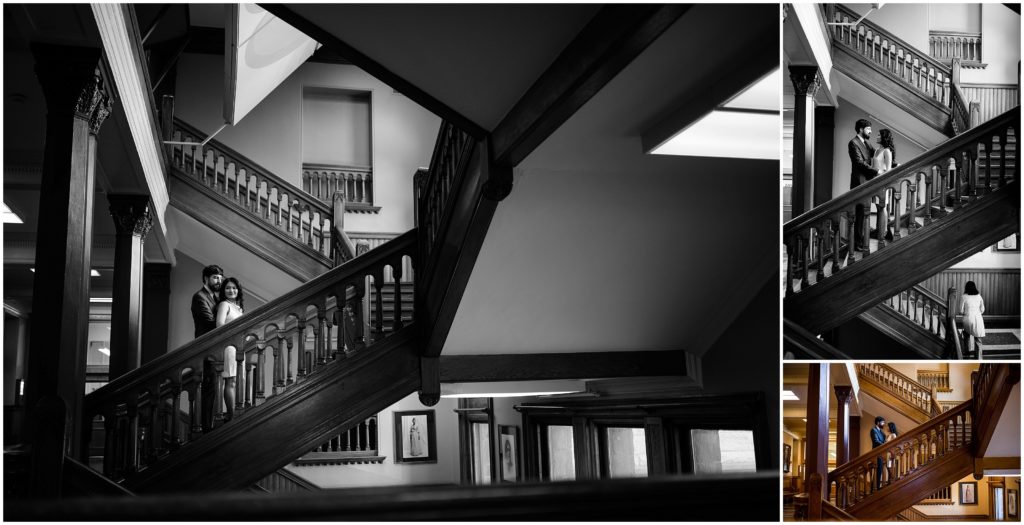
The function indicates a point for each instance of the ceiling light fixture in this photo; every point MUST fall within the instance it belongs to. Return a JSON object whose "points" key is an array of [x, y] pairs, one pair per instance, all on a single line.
{"points": [[506, 394], [789, 395], [746, 126], [101, 300], [104, 351], [94, 273]]}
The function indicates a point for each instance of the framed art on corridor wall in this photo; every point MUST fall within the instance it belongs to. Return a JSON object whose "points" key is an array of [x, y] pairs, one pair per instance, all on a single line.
{"points": [[415, 437]]}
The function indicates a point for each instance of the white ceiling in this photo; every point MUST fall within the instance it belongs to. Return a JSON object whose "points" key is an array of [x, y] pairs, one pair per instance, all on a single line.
{"points": [[600, 247]]}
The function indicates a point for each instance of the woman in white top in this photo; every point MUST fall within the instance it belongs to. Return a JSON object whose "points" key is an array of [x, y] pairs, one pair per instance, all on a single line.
{"points": [[971, 307], [229, 309], [883, 159]]}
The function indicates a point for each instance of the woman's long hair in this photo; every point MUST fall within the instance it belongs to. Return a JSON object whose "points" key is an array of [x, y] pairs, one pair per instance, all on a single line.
{"points": [[240, 300], [892, 428], [971, 289], [885, 140]]}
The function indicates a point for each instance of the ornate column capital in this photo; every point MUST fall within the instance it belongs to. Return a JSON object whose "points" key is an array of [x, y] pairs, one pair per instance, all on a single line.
{"points": [[72, 83], [132, 215], [806, 80], [844, 393]]}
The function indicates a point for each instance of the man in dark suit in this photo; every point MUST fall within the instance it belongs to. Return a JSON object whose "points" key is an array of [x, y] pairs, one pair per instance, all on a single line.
{"points": [[204, 302], [861, 154], [877, 440]]}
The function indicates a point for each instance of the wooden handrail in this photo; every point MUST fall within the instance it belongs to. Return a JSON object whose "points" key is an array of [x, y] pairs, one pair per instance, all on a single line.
{"points": [[322, 181], [897, 384], [435, 188], [923, 307], [330, 306], [954, 343], [947, 172], [912, 451], [946, 45], [808, 344], [991, 385], [245, 184], [900, 60], [960, 116]]}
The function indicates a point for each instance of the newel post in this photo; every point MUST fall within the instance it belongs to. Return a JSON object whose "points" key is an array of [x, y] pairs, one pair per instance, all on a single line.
{"points": [[951, 333], [815, 491]]}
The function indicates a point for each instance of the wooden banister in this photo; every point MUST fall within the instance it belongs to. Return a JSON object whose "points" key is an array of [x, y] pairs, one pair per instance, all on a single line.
{"points": [[991, 384], [924, 308], [902, 62], [322, 181], [947, 177], [244, 184], [272, 351], [854, 483], [897, 384], [342, 247], [960, 117], [954, 343]]}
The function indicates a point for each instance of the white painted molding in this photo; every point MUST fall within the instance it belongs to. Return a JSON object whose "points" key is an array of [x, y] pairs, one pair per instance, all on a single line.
{"points": [[814, 30], [120, 35]]}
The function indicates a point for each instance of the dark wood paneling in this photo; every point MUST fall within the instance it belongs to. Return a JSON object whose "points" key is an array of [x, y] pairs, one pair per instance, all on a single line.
{"points": [[748, 497], [584, 365], [1000, 288], [900, 265], [805, 345], [916, 486], [904, 331]]}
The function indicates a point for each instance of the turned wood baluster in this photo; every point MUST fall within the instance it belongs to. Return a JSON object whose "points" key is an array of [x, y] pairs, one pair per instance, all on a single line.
{"points": [[378, 316], [971, 166], [790, 266], [261, 371], [912, 206], [929, 192], [988, 164], [397, 274], [882, 223], [329, 349], [819, 245], [278, 381], [803, 246], [240, 379], [289, 375], [303, 370], [834, 229], [1003, 146], [850, 239]]}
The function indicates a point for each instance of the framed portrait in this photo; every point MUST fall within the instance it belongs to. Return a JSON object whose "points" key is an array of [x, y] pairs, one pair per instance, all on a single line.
{"points": [[1009, 244], [508, 453], [415, 437], [968, 493], [1013, 503], [787, 451]]}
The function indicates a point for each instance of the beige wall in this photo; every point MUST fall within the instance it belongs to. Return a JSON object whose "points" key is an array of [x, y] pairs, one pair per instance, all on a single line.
{"points": [[981, 507]]}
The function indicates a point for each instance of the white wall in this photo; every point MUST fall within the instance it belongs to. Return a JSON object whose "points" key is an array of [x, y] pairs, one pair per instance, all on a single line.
{"points": [[909, 22], [388, 473], [846, 116], [989, 258], [271, 135], [1000, 47]]}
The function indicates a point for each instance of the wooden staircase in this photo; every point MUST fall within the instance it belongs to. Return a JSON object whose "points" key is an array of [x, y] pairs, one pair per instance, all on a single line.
{"points": [[945, 207], [299, 233], [925, 459], [290, 397], [914, 318], [901, 393]]}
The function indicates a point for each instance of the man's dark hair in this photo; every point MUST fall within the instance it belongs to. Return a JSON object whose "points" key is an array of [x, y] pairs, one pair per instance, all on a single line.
{"points": [[861, 124], [212, 269], [878, 419]]}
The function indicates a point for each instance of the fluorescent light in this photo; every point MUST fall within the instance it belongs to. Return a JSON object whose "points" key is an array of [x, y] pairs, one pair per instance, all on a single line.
{"points": [[507, 394], [101, 300], [788, 395], [94, 273], [727, 133], [104, 351], [9, 216], [763, 94], [805, 420]]}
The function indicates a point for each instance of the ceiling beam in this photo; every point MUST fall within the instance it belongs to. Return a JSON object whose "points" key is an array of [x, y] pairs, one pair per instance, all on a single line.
{"points": [[374, 68], [610, 41], [584, 365]]}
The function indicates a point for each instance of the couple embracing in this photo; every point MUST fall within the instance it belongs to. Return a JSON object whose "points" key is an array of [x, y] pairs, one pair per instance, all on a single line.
{"points": [[219, 302], [868, 163]]}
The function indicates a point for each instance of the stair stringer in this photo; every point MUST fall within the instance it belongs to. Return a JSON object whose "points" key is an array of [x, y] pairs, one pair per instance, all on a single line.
{"points": [[915, 487], [245, 229], [939, 245], [905, 332], [271, 435]]}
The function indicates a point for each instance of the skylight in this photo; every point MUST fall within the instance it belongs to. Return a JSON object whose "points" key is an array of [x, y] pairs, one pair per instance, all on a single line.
{"points": [[746, 126]]}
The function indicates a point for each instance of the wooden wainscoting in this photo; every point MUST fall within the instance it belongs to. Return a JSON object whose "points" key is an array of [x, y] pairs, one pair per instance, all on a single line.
{"points": [[999, 287]]}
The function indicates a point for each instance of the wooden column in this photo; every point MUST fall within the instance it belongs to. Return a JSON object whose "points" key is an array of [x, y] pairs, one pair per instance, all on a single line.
{"points": [[854, 436], [824, 146], [156, 296], [77, 105], [805, 84], [817, 421], [132, 221], [843, 395]]}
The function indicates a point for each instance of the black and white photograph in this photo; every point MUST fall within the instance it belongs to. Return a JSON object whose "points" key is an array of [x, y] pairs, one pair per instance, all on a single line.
{"points": [[968, 493], [415, 437], [901, 207], [508, 448]]}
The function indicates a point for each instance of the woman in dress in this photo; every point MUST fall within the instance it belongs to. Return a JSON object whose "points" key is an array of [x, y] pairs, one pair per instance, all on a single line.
{"points": [[415, 440], [971, 307], [892, 462], [883, 161], [230, 308]]}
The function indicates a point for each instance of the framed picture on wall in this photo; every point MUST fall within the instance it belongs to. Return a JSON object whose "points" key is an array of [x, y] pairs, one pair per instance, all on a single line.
{"points": [[1009, 244], [968, 493], [787, 451], [508, 453], [1013, 503], [415, 437]]}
